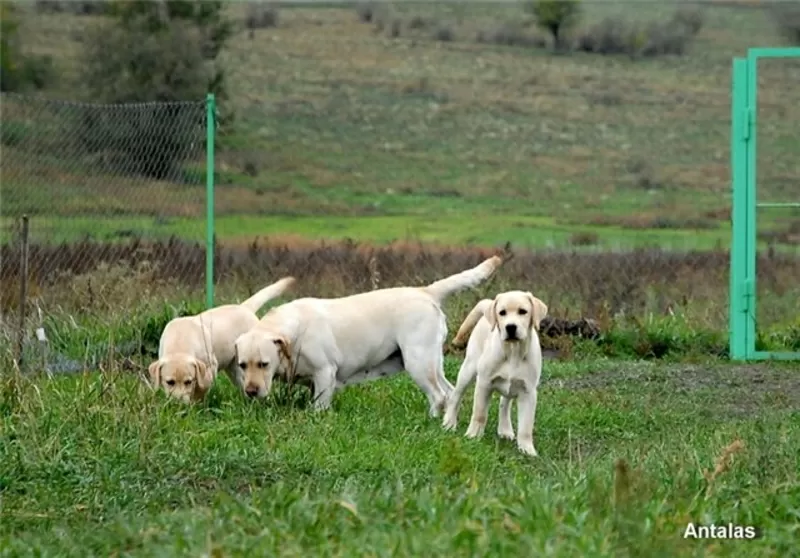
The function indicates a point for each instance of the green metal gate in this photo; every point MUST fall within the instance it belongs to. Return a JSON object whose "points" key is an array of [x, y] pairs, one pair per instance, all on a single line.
{"points": [[744, 112]]}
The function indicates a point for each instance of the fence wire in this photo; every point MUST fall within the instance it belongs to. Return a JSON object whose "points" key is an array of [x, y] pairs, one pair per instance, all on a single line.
{"points": [[91, 175]]}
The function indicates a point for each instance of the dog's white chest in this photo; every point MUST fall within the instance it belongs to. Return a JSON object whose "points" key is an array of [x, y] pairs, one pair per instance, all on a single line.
{"points": [[509, 387], [506, 379]]}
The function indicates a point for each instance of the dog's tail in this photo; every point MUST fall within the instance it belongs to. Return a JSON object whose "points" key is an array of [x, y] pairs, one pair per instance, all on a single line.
{"points": [[255, 302], [472, 319], [471, 278]]}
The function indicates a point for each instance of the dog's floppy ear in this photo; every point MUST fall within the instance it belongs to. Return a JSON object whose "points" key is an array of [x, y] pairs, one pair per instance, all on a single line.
{"points": [[283, 346], [154, 371], [203, 376], [491, 314], [538, 313]]}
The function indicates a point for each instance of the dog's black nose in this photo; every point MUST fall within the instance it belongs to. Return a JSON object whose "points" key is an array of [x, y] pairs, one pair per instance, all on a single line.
{"points": [[511, 330], [251, 391]]}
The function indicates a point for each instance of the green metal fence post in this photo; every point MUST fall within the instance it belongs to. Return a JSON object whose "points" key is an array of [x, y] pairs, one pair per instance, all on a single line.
{"points": [[752, 122], [211, 116], [740, 132]]}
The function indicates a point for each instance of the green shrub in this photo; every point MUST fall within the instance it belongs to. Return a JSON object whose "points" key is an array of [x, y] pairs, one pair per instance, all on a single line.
{"points": [[418, 22], [18, 72], [13, 133], [366, 11], [657, 338], [9, 48], [509, 34], [444, 33], [787, 19], [90, 8], [260, 15], [164, 52], [610, 36], [691, 19], [555, 16], [615, 36]]}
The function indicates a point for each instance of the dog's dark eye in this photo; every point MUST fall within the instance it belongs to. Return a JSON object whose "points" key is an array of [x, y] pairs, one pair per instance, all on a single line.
{"points": [[242, 365], [502, 312], [187, 382], [263, 364], [522, 311], [170, 382]]}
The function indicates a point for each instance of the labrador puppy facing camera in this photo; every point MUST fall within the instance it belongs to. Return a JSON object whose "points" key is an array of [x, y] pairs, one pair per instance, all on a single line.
{"points": [[193, 348], [504, 354]]}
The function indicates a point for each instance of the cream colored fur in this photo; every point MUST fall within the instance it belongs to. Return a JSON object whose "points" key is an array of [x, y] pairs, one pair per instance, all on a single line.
{"points": [[505, 356], [193, 348], [343, 341]]}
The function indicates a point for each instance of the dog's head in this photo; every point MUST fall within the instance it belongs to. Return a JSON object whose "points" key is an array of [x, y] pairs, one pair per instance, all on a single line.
{"points": [[182, 377], [515, 314], [261, 356]]}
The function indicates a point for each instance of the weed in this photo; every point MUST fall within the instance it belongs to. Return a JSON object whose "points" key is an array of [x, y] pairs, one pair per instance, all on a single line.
{"points": [[261, 15], [618, 36], [366, 11], [444, 32], [418, 22], [786, 16], [509, 34]]}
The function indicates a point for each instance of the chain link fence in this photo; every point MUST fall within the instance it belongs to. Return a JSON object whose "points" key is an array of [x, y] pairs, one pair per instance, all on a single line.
{"points": [[92, 177], [438, 123]]}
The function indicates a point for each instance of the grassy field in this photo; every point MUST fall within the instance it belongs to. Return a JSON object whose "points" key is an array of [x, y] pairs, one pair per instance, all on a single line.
{"points": [[491, 230], [337, 119], [632, 448], [630, 454]]}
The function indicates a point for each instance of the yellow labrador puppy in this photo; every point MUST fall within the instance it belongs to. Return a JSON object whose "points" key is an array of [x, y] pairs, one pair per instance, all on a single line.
{"points": [[343, 341], [193, 348], [504, 353]]}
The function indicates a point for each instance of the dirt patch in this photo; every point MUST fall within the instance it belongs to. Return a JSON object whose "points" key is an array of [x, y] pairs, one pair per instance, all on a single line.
{"points": [[738, 389]]}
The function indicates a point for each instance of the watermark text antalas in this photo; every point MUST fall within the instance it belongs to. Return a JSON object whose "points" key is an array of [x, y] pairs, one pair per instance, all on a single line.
{"points": [[721, 531]]}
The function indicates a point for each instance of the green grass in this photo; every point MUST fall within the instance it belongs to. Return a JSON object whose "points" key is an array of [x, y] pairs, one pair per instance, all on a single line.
{"points": [[522, 230], [335, 120], [98, 465]]}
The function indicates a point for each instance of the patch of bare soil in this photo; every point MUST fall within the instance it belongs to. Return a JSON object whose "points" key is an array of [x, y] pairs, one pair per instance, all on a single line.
{"points": [[739, 389]]}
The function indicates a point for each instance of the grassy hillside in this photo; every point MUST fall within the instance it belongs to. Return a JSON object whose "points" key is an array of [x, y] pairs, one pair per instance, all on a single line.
{"points": [[414, 124]]}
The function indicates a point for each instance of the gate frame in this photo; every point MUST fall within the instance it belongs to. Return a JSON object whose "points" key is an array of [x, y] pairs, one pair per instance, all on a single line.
{"points": [[744, 113]]}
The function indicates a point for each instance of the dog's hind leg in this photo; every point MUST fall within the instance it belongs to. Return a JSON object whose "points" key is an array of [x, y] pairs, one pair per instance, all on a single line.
{"points": [[421, 348], [466, 374], [424, 369], [444, 384]]}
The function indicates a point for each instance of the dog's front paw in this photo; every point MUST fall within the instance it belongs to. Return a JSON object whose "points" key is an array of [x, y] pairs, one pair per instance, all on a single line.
{"points": [[450, 421], [506, 434], [474, 431], [528, 449]]}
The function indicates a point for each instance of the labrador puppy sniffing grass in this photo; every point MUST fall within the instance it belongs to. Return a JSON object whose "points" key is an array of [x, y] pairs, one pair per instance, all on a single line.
{"points": [[342, 341], [193, 348], [504, 354]]}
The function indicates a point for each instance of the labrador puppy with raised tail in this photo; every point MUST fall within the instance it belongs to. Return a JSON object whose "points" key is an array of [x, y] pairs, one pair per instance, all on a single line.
{"points": [[333, 343], [193, 348], [504, 354]]}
